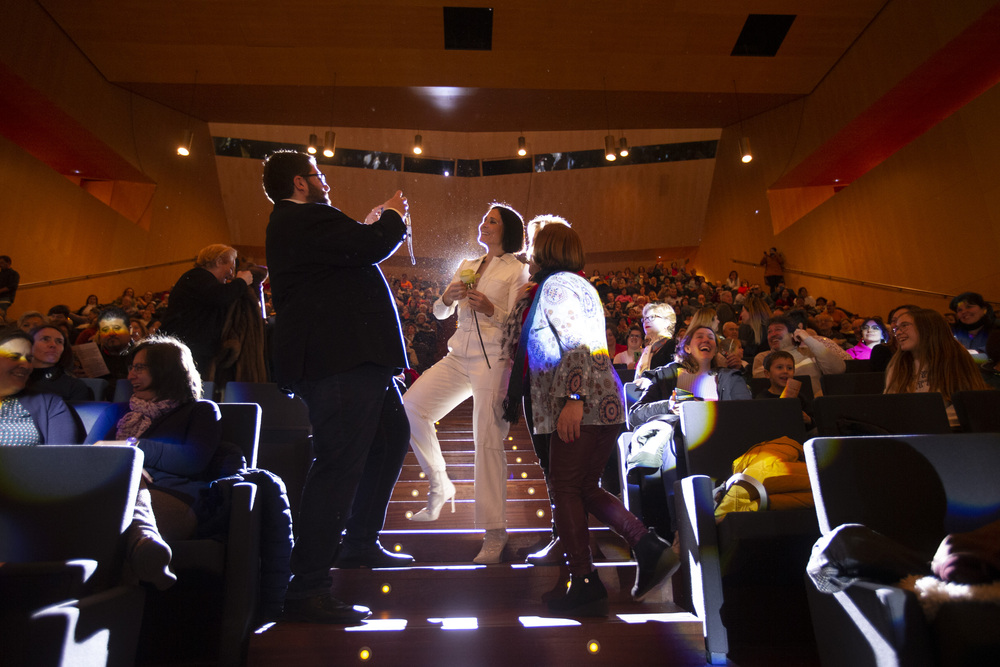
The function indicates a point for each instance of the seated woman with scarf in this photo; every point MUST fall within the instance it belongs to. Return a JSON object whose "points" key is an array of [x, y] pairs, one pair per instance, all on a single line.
{"points": [[178, 433]]}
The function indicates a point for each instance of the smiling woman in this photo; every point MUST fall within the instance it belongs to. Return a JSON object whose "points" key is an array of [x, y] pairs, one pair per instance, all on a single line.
{"points": [[28, 419], [52, 360]]}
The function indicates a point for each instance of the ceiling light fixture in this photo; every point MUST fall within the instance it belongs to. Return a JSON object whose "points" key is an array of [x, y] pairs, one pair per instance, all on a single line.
{"points": [[609, 148], [329, 143], [313, 143], [522, 150], [184, 147], [623, 147], [745, 155], [418, 145]]}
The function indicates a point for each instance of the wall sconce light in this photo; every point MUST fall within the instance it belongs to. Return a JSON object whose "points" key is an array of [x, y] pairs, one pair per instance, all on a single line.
{"points": [[329, 143], [522, 150], [745, 154], [184, 148], [313, 142], [418, 145], [623, 147], [609, 148]]}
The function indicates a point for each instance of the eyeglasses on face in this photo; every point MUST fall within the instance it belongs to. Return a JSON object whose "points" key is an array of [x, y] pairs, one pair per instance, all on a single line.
{"points": [[321, 177], [138, 368], [901, 325]]}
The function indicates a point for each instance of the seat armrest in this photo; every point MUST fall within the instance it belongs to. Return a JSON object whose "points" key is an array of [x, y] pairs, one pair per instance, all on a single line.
{"points": [[870, 623], [242, 589], [699, 547]]}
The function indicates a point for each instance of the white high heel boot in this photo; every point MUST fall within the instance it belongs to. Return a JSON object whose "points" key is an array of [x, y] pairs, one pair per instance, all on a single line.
{"points": [[441, 491]]}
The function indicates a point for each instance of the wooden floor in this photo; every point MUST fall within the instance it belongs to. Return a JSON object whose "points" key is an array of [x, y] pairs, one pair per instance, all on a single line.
{"points": [[447, 611]]}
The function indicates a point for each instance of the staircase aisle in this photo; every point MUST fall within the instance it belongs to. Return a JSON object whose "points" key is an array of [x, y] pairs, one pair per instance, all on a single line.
{"points": [[447, 611]]}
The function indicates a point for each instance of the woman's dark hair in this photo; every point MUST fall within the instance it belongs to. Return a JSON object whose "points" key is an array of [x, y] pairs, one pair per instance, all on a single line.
{"points": [[66, 360], [280, 170], [512, 239], [557, 248], [886, 336], [171, 368]]}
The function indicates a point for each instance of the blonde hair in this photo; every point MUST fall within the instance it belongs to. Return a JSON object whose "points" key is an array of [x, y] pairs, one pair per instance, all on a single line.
{"points": [[663, 310], [210, 255], [703, 318], [557, 247], [949, 366], [759, 315]]}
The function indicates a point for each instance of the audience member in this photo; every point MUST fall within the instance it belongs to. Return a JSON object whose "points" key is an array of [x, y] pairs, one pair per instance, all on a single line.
{"points": [[774, 268], [753, 326], [52, 360], [658, 321], [929, 359], [630, 356], [974, 321], [114, 340], [812, 357], [873, 332], [779, 368], [31, 320], [200, 300], [9, 280]]}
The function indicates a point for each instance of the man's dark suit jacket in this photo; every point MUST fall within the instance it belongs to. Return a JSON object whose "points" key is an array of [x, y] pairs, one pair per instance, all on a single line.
{"points": [[334, 308]]}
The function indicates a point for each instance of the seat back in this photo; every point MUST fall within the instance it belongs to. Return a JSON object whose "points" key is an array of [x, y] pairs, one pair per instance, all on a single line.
{"points": [[98, 386], [241, 426], [717, 432], [285, 440], [122, 391], [978, 411], [852, 383], [632, 395], [758, 385], [63, 502], [279, 412], [85, 413], [880, 414], [857, 365], [914, 489]]}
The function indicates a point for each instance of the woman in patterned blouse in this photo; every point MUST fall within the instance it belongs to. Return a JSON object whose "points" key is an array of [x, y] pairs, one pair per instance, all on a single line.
{"points": [[576, 397]]}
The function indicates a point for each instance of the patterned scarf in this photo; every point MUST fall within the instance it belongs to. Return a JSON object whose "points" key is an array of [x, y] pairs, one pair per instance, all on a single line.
{"points": [[140, 415]]}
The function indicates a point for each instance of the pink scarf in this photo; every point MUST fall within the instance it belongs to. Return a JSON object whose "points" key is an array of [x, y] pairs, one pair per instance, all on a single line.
{"points": [[140, 415]]}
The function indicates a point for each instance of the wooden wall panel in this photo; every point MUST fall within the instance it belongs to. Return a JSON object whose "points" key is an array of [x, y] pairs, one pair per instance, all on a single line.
{"points": [[53, 228]]}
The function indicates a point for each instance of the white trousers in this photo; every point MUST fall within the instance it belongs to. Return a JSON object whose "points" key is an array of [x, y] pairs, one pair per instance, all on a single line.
{"points": [[436, 393]]}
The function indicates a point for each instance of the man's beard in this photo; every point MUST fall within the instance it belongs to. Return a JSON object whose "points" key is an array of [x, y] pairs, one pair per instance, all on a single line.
{"points": [[316, 194]]}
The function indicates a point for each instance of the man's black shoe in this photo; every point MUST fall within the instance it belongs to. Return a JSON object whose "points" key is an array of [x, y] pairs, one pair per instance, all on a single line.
{"points": [[371, 556], [324, 609]]}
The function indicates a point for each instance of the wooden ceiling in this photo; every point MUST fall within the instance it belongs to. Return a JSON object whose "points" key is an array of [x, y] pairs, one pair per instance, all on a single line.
{"points": [[553, 65]]}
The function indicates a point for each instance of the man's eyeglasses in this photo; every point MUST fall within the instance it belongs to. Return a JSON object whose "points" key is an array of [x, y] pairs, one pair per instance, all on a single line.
{"points": [[321, 177]]}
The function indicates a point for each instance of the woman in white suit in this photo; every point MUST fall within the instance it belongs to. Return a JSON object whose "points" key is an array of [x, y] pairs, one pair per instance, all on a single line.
{"points": [[483, 291]]}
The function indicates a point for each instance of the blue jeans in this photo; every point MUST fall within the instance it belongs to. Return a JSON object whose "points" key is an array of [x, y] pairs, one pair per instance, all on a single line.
{"points": [[360, 437]]}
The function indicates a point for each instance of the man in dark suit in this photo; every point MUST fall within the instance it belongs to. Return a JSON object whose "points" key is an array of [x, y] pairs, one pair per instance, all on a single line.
{"points": [[324, 264]]}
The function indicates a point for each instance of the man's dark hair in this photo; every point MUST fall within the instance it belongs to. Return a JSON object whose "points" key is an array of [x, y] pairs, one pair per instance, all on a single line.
{"points": [[12, 332], [7, 259], [784, 321], [512, 239], [774, 356], [797, 317], [112, 313], [59, 310], [280, 170]]}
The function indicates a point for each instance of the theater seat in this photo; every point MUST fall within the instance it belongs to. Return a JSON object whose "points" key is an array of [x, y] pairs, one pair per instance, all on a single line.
{"points": [[63, 509]]}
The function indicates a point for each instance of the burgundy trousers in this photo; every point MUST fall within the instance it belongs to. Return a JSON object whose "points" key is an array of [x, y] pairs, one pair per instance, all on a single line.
{"points": [[575, 470]]}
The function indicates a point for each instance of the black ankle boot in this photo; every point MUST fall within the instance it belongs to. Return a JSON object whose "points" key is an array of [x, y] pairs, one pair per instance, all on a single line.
{"points": [[586, 597], [655, 561]]}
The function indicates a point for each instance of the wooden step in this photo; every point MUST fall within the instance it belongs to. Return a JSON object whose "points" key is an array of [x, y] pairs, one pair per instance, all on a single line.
{"points": [[416, 489], [468, 457], [441, 545]]}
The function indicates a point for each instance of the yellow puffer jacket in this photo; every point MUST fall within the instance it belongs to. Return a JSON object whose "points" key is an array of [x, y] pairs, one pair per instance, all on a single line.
{"points": [[779, 467]]}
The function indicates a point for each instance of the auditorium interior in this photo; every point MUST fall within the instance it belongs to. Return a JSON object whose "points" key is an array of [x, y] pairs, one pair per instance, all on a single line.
{"points": [[872, 126]]}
